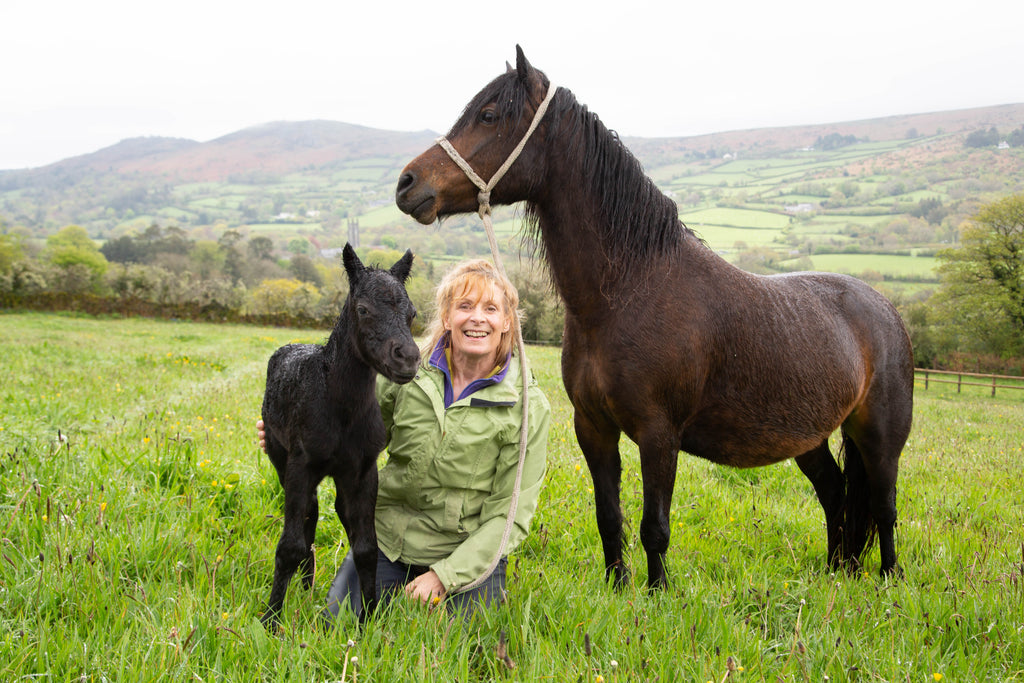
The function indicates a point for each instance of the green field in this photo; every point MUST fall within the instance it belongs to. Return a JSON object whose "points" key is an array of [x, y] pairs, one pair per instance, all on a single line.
{"points": [[886, 264], [139, 521]]}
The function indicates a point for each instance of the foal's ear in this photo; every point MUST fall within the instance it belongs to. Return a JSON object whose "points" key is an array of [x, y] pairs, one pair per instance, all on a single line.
{"points": [[353, 266], [401, 269]]}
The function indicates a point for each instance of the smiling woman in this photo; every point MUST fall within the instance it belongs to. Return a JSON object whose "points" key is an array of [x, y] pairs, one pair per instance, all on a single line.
{"points": [[476, 308]]}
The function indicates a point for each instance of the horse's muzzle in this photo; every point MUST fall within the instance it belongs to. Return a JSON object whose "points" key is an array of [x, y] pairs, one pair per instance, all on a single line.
{"points": [[416, 198]]}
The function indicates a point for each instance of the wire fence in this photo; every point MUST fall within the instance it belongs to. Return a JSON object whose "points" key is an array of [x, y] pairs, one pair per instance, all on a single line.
{"points": [[967, 379]]}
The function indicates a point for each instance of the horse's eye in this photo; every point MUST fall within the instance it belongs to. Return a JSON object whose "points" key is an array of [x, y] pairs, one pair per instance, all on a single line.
{"points": [[362, 310], [488, 116]]}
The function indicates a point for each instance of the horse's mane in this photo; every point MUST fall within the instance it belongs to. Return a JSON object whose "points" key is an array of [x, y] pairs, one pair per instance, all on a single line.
{"points": [[637, 220]]}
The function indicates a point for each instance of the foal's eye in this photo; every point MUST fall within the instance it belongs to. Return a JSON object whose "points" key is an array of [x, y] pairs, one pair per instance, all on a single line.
{"points": [[362, 310], [488, 116]]}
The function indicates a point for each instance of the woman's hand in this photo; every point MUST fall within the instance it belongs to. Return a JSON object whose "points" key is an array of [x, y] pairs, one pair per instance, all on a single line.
{"points": [[261, 435], [427, 588]]}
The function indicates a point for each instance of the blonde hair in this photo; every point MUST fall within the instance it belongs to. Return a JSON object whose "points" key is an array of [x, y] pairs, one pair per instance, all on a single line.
{"points": [[466, 278]]}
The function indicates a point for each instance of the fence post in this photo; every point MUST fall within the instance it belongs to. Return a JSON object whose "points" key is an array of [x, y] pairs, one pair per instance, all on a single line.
{"points": [[926, 380], [959, 379], [993, 386]]}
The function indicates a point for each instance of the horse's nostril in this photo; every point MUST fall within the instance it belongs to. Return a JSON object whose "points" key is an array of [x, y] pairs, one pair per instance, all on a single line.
{"points": [[405, 182]]}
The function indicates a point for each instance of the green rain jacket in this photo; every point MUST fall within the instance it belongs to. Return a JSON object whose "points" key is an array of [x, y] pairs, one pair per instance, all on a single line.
{"points": [[445, 489]]}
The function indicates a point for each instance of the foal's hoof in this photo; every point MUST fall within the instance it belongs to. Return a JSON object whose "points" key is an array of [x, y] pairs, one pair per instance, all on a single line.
{"points": [[308, 571], [893, 573], [271, 622], [619, 574]]}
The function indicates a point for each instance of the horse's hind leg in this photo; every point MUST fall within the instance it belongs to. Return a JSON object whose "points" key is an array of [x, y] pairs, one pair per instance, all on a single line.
{"points": [[821, 469], [871, 469], [600, 447]]}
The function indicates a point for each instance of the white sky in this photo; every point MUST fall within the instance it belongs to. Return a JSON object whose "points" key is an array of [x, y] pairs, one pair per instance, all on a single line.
{"points": [[79, 76]]}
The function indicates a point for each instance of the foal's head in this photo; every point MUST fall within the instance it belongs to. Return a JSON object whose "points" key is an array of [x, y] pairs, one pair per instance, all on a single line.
{"points": [[380, 314]]}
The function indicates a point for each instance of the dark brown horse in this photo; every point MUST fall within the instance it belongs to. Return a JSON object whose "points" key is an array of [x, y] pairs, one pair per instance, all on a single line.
{"points": [[667, 342]]}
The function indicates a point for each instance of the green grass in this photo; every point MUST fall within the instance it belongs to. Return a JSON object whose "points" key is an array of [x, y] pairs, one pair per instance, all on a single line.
{"points": [[138, 522]]}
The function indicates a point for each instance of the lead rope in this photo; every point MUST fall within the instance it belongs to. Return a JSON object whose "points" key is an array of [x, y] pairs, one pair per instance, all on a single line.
{"points": [[484, 199]]}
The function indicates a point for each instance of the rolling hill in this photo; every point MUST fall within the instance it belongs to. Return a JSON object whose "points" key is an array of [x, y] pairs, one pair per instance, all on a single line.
{"points": [[899, 185]]}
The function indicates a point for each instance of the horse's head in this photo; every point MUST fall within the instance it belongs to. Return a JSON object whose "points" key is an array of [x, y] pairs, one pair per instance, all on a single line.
{"points": [[432, 185], [380, 315]]}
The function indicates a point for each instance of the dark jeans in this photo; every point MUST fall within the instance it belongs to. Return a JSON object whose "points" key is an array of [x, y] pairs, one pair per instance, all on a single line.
{"points": [[391, 580]]}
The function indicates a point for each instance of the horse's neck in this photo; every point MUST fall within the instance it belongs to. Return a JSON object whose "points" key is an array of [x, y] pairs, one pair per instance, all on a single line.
{"points": [[587, 281], [347, 374]]}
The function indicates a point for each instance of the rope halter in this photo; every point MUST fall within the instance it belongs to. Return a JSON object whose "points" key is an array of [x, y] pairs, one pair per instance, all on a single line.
{"points": [[484, 199]]}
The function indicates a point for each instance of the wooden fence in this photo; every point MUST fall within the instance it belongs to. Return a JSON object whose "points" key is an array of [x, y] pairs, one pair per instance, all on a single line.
{"points": [[992, 382]]}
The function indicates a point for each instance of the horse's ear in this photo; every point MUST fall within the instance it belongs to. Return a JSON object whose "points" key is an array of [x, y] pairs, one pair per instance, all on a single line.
{"points": [[508, 68], [528, 76], [353, 266], [523, 66], [401, 269]]}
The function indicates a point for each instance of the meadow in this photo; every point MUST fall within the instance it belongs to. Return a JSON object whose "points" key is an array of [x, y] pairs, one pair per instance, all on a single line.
{"points": [[138, 521]]}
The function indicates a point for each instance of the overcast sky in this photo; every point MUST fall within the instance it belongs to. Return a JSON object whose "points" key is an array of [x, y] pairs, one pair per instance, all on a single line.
{"points": [[79, 76]]}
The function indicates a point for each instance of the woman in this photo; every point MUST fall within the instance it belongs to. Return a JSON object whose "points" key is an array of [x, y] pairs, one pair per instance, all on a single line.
{"points": [[453, 451]]}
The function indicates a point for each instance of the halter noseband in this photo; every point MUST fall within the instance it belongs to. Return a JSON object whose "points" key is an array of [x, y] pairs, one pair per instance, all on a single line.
{"points": [[484, 197]]}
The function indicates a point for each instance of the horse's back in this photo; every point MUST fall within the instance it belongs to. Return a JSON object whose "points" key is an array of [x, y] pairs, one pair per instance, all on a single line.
{"points": [[868, 317]]}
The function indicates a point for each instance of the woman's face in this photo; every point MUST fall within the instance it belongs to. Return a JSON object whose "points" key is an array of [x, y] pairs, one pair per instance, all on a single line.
{"points": [[476, 321]]}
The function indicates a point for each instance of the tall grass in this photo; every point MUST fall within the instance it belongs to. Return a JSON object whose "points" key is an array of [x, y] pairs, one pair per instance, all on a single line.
{"points": [[138, 521]]}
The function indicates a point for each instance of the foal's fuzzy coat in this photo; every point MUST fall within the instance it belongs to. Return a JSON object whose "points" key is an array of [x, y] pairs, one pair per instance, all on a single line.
{"points": [[321, 419]]}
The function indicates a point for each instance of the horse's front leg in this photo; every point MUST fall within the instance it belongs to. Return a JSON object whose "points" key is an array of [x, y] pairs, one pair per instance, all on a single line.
{"points": [[292, 547], [356, 504], [659, 454], [600, 447]]}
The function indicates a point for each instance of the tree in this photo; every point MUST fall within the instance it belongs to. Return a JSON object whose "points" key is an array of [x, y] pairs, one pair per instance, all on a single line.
{"points": [[983, 280], [71, 250], [11, 250], [261, 248], [283, 296], [124, 249], [1016, 137], [303, 268], [982, 138]]}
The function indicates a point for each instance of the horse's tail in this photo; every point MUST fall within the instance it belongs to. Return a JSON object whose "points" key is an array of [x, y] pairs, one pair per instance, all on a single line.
{"points": [[859, 525]]}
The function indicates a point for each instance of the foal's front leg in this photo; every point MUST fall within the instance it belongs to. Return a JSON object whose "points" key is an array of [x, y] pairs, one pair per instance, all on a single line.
{"points": [[292, 547]]}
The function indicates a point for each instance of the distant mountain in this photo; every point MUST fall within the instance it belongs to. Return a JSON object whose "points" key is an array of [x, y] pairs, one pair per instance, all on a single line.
{"points": [[324, 171], [272, 148], [284, 147], [1002, 117]]}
